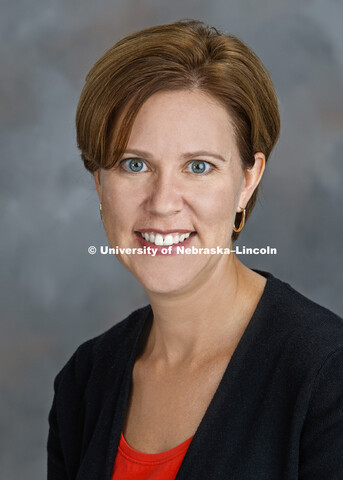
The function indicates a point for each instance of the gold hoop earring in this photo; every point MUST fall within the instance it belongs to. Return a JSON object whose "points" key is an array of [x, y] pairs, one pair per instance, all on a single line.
{"points": [[242, 222], [100, 209]]}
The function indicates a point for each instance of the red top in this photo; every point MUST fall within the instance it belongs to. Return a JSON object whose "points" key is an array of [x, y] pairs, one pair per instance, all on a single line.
{"points": [[133, 465]]}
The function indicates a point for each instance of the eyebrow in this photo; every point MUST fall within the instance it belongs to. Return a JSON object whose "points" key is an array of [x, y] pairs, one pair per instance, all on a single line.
{"points": [[186, 155]]}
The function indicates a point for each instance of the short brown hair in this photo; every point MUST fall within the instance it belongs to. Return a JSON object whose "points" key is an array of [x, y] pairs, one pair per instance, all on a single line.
{"points": [[186, 54]]}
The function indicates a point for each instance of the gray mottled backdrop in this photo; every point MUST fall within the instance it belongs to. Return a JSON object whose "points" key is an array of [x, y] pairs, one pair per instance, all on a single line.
{"points": [[54, 294]]}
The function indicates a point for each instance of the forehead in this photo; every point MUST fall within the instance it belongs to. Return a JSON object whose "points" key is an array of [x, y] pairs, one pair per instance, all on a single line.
{"points": [[182, 119]]}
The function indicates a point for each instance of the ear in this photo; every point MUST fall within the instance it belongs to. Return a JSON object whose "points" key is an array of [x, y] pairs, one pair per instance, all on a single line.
{"points": [[96, 176], [252, 177]]}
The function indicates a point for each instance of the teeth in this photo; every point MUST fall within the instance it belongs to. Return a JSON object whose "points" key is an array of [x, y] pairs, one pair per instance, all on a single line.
{"points": [[158, 239], [169, 239]]}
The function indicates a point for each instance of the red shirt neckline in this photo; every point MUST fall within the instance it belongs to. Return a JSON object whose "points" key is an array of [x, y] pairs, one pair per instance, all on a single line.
{"points": [[151, 458]]}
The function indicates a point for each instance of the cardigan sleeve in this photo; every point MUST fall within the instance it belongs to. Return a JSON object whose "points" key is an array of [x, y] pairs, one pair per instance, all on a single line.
{"points": [[56, 466], [63, 443], [321, 445]]}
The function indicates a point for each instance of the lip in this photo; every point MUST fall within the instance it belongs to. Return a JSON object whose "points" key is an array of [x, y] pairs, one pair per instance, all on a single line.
{"points": [[145, 243], [163, 232]]}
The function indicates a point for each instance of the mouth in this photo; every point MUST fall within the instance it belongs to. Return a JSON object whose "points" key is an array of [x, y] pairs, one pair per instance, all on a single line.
{"points": [[158, 241]]}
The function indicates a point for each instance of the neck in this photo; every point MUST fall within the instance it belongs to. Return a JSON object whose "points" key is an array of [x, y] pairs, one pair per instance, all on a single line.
{"points": [[211, 316]]}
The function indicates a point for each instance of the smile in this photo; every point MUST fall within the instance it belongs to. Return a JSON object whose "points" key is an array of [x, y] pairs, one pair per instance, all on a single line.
{"points": [[169, 239]]}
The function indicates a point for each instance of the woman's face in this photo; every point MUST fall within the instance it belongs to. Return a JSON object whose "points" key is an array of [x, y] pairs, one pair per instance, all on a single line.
{"points": [[181, 172]]}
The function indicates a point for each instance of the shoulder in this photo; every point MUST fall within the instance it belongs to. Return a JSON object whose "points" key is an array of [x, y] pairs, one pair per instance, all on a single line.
{"points": [[309, 330], [96, 353]]}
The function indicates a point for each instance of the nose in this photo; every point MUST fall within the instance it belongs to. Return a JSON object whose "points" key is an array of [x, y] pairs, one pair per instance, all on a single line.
{"points": [[165, 196]]}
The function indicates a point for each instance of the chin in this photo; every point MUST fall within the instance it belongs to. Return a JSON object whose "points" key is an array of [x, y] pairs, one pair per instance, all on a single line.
{"points": [[163, 281]]}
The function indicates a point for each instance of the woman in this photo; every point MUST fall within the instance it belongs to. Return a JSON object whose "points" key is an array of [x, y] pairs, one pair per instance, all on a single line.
{"points": [[228, 372]]}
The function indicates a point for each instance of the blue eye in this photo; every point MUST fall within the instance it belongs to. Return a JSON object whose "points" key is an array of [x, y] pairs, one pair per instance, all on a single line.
{"points": [[136, 165], [199, 166], [133, 165]]}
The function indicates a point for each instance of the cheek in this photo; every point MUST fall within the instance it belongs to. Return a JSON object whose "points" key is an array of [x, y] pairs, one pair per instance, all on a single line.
{"points": [[216, 205], [118, 203]]}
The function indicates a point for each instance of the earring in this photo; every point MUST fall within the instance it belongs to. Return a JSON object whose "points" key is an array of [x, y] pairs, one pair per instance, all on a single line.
{"points": [[242, 222], [100, 208]]}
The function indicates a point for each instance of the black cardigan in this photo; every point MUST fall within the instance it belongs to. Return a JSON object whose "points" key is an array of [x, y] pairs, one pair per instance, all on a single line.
{"points": [[277, 413]]}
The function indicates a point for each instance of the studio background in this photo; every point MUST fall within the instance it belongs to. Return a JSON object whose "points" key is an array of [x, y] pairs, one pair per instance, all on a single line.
{"points": [[54, 295]]}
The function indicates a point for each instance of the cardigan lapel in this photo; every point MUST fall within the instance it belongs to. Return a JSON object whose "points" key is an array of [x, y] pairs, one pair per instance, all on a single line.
{"points": [[119, 415]]}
